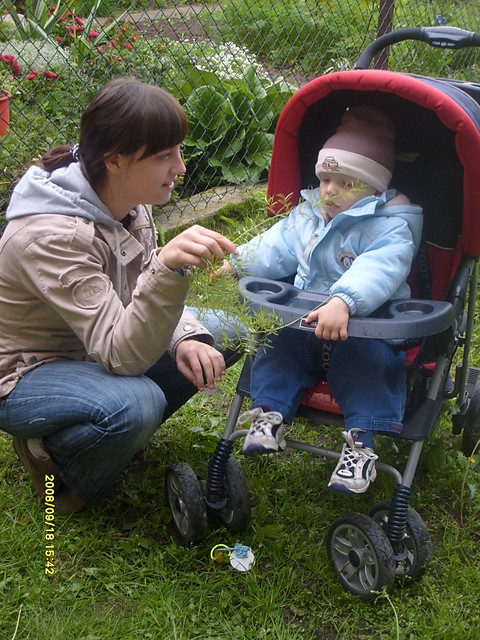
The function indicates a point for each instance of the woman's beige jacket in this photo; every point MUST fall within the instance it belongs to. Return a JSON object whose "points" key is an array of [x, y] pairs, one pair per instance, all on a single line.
{"points": [[83, 287]]}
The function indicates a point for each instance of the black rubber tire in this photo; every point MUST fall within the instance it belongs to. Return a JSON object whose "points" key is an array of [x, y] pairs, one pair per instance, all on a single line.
{"points": [[361, 554], [417, 549], [471, 426], [236, 514], [185, 499]]}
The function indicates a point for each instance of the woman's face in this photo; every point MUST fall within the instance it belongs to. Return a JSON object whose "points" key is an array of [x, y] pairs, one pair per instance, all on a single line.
{"points": [[151, 180]]}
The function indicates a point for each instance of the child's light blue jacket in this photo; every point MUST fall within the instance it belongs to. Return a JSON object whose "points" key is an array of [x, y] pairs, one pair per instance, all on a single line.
{"points": [[363, 255]]}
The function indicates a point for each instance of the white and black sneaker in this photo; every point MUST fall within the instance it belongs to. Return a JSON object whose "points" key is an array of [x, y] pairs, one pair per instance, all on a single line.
{"points": [[265, 434], [355, 470]]}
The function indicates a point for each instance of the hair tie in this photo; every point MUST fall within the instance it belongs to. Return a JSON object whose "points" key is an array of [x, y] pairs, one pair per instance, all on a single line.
{"points": [[74, 152]]}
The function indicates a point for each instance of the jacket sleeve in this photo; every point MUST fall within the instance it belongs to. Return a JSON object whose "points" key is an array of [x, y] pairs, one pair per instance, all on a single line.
{"points": [[270, 254], [189, 327], [377, 273], [65, 270]]}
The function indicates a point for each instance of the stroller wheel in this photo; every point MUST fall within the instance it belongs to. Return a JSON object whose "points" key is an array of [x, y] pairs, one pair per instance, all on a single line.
{"points": [[361, 554], [416, 550], [186, 502], [236, 514]]}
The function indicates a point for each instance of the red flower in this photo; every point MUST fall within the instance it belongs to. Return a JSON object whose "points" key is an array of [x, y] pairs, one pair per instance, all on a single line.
{"points": [[10, 61], [128, 46], [79, 21], [33, 73], [50, 74]]}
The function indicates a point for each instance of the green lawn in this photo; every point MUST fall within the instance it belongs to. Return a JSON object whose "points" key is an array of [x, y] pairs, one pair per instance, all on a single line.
{"points": [[119, 573]]}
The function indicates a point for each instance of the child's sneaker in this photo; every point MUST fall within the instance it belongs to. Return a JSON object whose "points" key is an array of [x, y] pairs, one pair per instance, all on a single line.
{"points": [[355, 470], [265, 434]]}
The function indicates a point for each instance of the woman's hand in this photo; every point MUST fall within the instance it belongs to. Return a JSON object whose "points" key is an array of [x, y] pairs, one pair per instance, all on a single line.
{"points": [[195, 246], [332, 320], [200, 363]]}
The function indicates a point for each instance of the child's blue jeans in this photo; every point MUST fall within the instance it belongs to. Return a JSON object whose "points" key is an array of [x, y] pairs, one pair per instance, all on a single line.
{"points": [[366, 377], [92, 423]]}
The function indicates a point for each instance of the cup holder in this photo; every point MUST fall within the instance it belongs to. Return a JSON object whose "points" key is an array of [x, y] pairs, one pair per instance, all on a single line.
{"points": [[413, 307], [264, 288]]}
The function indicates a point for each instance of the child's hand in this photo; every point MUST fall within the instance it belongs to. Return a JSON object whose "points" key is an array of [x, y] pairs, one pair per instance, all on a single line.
{"points": [[332, 320], [225, 269]]}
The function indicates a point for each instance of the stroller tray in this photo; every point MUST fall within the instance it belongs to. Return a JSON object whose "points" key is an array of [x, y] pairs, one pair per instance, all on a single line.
{"points": [[395, 320]]}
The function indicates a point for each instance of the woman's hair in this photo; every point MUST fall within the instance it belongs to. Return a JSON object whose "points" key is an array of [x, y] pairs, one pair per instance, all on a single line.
{"points": [[123, 117]]}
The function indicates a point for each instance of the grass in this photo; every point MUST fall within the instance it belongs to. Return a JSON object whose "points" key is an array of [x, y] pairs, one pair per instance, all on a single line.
{"points": [[119, 573]]}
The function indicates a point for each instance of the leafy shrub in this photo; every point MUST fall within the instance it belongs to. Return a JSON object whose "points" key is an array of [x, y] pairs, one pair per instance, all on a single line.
{"points": [[302, 35], [232, 109]]}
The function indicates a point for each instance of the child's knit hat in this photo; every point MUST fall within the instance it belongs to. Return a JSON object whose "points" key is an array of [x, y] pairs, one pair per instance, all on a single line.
{"points": [[363, 147]]}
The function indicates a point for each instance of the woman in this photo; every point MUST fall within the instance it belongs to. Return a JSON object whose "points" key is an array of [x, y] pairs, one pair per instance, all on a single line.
{"points": [[86, 294]]}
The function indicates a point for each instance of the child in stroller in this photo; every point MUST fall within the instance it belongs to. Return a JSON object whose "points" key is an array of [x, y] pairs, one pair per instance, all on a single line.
{"points": [[354, 240], [437, 127]]}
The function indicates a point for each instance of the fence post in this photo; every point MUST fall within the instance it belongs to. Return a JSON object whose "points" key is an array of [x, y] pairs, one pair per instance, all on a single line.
{"points": [[384, 25]]}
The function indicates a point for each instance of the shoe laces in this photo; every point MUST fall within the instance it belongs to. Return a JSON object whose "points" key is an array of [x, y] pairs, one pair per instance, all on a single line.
{"points": [[262, 422], [250, 415], [354, 449]]}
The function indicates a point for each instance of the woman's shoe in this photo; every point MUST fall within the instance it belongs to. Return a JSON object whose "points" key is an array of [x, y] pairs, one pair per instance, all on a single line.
{"points": [[39, 464]]}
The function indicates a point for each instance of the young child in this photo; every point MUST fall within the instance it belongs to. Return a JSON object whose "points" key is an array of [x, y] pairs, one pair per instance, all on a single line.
{"points": [[353, 239]]}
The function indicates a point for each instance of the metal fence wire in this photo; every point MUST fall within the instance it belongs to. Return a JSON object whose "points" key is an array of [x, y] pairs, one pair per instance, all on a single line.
{"points": [[233, 65]]}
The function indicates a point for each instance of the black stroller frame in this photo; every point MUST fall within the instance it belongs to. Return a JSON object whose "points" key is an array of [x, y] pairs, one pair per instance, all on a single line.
{"points": [[368, 552]]}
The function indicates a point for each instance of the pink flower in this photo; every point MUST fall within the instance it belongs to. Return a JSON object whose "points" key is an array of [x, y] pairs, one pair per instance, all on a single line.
{"points": [[59, 39], [79, 21], [50, 74], [128, 46], [92, 33], [32, 75]]}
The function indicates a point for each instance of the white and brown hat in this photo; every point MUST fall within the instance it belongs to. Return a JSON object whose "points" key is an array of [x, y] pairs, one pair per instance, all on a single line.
{"points": [[363, 147]]}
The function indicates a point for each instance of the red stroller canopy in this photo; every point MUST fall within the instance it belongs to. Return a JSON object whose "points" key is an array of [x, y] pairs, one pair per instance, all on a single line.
{"points": [[437, 126]]}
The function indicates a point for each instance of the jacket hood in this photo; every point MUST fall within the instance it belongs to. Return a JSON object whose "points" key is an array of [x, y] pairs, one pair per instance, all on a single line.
{"points": [[65, 192]]}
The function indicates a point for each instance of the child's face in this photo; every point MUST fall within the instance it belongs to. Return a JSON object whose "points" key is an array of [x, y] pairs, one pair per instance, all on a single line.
{"points": [[338, 193]]}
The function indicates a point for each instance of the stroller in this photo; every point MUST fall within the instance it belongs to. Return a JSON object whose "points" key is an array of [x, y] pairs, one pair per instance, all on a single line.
{"points": [[438, 165]]}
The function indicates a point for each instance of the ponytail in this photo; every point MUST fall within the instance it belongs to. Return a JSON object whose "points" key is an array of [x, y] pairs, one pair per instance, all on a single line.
{"points": [[56, 158]]}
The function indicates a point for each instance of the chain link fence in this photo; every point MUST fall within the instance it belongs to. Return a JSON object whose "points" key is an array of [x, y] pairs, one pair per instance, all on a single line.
{"points": [[232, 64]]}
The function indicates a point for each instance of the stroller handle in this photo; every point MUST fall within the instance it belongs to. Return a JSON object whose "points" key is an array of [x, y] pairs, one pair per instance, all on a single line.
{"points": [[441, 37]]}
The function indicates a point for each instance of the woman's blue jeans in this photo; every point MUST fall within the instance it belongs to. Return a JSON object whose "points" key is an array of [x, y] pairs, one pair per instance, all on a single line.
{"points": [[366, 377], [91, 422]]}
